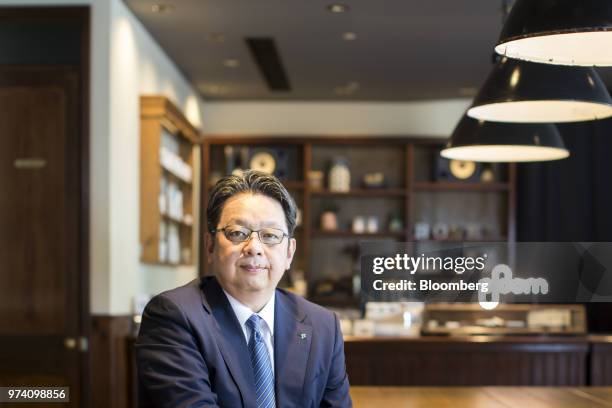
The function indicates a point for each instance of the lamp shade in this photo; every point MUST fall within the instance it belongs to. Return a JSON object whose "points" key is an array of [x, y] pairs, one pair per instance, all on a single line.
{"points": [[528, 92], [482, 141], [561, 32]]}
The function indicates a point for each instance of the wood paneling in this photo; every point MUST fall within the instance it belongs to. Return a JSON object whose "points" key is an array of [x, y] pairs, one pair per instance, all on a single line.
{"points": [[601, 361], [456, 362], [111, 365], [150, 169], [468, 361], [35, 294]]}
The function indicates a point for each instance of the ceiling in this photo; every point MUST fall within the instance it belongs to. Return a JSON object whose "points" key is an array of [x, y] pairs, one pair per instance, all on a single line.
{"points": [[404, 49]]}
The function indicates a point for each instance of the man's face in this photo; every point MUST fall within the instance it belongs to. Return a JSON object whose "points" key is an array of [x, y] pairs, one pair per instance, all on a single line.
{"points": [[250, 269]]}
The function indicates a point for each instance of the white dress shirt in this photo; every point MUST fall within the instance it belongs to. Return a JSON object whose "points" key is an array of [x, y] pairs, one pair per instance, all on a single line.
{"points": [[243, 313]]}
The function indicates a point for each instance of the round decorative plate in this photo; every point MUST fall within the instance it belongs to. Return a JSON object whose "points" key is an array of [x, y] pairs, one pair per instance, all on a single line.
{"points": [[461, 169]]}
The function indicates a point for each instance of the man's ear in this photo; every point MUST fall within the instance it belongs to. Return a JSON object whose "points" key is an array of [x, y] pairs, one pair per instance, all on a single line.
{"points": [[290, 252], [210, 246]]}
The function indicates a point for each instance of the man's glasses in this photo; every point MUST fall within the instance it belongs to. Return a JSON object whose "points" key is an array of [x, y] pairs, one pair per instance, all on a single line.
{"points": [[238, 234]]}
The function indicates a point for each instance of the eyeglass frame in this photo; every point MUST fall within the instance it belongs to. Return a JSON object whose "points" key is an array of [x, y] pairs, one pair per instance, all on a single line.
{"points": [[214, 231]]}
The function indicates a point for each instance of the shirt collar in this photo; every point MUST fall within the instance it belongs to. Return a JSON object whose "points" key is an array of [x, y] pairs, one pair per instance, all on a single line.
{"points": [[243, 312]]}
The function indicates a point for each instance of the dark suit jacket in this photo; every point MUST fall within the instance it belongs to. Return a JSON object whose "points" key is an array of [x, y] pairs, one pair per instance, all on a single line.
{"points": [[191, 352]]}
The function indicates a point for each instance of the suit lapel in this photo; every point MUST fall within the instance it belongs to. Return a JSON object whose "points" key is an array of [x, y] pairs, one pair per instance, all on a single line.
{"points": [[292, 339], [232, 343]]}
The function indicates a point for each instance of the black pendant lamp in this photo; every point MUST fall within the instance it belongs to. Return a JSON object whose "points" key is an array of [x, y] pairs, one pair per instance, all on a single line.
{"points": [[481, 141], [560, 32], [528, 92]]}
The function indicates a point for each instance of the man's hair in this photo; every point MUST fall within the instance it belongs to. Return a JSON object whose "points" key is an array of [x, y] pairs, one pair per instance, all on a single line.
{"points": [[255, 182]]}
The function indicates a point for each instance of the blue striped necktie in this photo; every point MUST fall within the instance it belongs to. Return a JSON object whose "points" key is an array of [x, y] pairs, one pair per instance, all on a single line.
{"points": [[262, 367]]}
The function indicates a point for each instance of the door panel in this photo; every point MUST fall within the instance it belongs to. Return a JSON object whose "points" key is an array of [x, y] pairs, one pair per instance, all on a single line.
{"points": [[40, 307]]}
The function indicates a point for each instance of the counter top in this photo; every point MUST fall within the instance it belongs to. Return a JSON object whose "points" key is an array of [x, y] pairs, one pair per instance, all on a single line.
{"points": [[485, 397], [483, 339]]}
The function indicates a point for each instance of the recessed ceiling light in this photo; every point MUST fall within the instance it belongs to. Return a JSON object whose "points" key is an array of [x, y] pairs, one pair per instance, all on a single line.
{"points": [[162, 8], [217, 38], [338, 8], [349, 36], [231, 63]]}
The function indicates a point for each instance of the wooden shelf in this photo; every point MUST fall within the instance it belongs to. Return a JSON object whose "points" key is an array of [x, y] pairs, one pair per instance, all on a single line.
{"points": [[182, 223], [362, 192], [163, 126], [175, 177], [293, 184], [349, 234], [451, 240], [458, 186], [289, 185]]}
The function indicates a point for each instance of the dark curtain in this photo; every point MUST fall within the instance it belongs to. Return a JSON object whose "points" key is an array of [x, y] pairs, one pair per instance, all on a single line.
{"points": [[571, 200]]}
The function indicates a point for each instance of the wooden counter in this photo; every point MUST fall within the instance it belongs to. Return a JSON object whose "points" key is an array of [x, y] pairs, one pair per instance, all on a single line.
{"points": [[477, 397], [468, 361], [600, 360], [479, 360]]}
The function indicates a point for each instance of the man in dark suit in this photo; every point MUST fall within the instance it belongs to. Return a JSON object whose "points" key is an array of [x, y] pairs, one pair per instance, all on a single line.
{"points": [[233, 339]]}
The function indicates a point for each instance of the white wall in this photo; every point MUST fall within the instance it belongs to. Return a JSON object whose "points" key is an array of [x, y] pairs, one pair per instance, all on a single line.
{"points": [[138, 67], [429, 118]]}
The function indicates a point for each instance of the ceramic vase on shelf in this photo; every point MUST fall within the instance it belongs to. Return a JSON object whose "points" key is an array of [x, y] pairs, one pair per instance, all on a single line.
{"points": [[339, 175], [329, 221], [372, 225], [359, 225]]}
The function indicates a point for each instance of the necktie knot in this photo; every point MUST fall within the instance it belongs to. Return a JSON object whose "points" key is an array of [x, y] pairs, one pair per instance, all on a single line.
{"points": [[254, 323]]}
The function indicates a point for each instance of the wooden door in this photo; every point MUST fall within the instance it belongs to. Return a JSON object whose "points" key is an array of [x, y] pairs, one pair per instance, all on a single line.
{"points": [[41, 286]]}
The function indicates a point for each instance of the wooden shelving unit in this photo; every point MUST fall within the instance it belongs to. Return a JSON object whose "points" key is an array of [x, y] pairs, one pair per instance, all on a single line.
{"points": [[290, 185], [362, 192], [166, 237], [456, 186], [411, 192], [484, 239], [364, 235], [336, 301]]}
